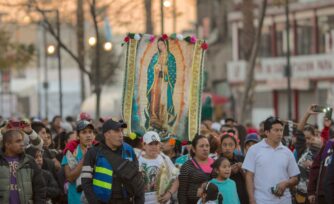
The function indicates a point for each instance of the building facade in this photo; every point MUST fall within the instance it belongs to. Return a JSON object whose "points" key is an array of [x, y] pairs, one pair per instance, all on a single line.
{"points": [[311, 40]]}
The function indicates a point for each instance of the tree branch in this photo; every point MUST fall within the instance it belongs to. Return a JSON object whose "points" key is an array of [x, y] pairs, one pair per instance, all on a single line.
{"points": [[49, 27], [249, 84]]}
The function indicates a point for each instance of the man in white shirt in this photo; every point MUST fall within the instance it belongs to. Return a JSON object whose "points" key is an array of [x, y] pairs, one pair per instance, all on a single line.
{"points": [[270, 167]]}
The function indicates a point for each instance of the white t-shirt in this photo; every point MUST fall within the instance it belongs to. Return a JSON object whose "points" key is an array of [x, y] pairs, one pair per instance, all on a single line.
{"points": [[151, 169], [270, 167]]}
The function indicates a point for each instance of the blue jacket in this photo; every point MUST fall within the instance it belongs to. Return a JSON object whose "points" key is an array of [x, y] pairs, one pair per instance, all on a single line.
{"points": [[97, 172]]}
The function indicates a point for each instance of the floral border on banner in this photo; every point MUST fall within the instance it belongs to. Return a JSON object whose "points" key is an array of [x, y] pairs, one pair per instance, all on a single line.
{"points": [[190, 39]]}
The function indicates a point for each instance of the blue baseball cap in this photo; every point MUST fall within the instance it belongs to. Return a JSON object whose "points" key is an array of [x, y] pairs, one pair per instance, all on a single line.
{"points": [[252, 137], [82, 124]]}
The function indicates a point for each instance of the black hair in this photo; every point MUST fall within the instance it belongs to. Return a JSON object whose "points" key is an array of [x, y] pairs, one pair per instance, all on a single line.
{"points": [[331, 132], [270, 121], [309, 129], [228, 136], [135, 143], [69, 119], [8, 136], [216, 164], [48, 131], [32, 151], [229, 120], [213, 143], [37, 126], [67, 136], [55, 118], [195, 142], [211, 191]]}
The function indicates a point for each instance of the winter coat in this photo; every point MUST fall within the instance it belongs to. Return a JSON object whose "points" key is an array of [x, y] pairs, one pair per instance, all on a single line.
{"points": [[51, 185], [30, 182]]}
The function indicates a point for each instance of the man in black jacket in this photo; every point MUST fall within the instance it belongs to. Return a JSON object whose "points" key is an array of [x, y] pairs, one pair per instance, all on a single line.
{"points": [[101, 182], [24, 178]]}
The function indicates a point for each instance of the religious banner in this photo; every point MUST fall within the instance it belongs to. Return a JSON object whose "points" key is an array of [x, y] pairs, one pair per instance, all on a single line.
{"points": [[163, 84]]}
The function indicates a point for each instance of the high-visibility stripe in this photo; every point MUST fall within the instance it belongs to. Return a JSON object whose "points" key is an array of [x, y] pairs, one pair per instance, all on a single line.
{"points": [[101, 184], [87, 168], [103, 170]]}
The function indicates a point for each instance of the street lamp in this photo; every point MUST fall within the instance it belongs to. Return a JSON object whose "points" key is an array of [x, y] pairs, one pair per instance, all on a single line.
{"points": [[51, 49], [107, 46], [92, 41], [167, 3], [288, 64]]}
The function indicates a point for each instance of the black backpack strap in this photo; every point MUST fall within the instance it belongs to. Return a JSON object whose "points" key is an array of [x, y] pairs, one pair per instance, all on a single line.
{"points": [[114, 159]]}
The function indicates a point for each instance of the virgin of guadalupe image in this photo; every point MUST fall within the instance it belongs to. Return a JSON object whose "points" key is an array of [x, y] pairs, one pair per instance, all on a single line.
{"points": [[161, 79]]}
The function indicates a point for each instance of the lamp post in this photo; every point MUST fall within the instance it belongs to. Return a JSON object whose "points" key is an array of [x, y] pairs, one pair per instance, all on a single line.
{"points": [[287, 71], [162, 16], [288, 64], [59, 66], [46, 82], [56, 11], [168, 4]]}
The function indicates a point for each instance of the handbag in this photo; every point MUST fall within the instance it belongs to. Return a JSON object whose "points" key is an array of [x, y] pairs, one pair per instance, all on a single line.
{"points": [[127, 171]]}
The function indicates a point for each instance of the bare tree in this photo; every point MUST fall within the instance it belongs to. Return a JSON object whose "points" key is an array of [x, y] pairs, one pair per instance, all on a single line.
{"points": [[250, 67], [248, 32], [13, 54], [81, 43], [148, 11]]}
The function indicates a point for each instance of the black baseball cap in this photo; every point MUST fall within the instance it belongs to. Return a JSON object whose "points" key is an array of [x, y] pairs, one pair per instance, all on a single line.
{"points": [[113, 125]]}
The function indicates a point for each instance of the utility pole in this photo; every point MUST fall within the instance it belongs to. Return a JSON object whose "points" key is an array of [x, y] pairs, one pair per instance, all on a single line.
{"points": [[46, 82], [288, 64], [162, 15], [81, 45], [174, 16], [59, 66]]}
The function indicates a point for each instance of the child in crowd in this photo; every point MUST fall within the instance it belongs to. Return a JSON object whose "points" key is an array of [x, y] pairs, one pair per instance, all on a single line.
{"points": [[53, 190], [228, 146], [160, 174], [226, 186], [210, 195], [251, 139]]}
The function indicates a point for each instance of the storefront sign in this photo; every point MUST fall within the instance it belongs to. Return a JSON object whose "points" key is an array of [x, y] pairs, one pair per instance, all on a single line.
{"points": [[303, 67]]}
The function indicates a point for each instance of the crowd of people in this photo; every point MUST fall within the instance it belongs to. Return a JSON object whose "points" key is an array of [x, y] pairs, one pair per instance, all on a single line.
{"points": [[68, 161]]}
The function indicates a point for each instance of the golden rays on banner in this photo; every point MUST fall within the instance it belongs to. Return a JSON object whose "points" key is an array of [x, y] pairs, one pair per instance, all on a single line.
{"points": [[163, 84]]}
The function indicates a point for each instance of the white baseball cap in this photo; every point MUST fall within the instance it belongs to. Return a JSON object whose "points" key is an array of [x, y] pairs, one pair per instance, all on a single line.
{"points": [[151, 136]]}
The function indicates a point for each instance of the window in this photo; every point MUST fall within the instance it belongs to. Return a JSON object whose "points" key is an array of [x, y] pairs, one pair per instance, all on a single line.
{"points": [[326, 33], [265, 46], [304, 37]]}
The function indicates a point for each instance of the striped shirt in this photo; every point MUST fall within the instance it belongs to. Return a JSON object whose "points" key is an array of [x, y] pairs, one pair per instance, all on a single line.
{"points": [[190, 179]]}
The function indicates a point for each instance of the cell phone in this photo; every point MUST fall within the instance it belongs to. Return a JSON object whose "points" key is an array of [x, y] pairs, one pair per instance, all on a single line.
{"points": [[320, 109], [328, 113], [17, 124], [14, 124]]}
